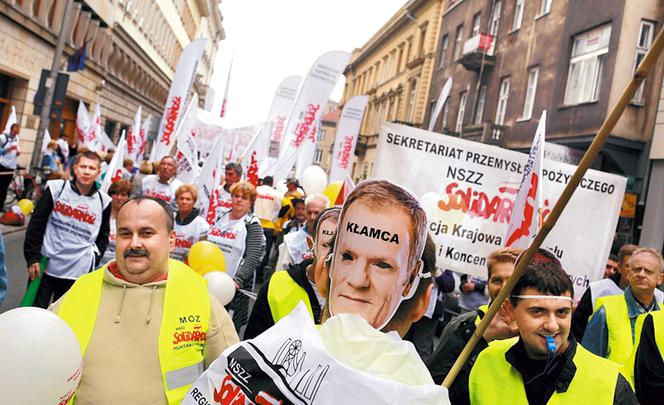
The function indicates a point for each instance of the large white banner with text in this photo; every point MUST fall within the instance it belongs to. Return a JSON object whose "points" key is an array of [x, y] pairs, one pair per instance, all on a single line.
{"points": [[346, 138], [468, 191]]}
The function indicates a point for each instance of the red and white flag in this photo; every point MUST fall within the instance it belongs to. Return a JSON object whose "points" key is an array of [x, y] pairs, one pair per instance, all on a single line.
{"points": [[177, 96], [525, 220], [224, 101], [143, 137], [134, 136], [93, 138], [186, 154], [114, 170], [347, 132], [209, 179], [82, 123]]}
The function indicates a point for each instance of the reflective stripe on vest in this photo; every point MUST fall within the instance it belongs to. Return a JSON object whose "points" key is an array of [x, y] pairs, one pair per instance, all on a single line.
{"points": [[620, 342], [493, 377], [283, 295], [186, 295]]}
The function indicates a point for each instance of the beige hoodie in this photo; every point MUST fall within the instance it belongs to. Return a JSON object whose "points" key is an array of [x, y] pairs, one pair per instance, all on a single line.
{"points": [[121, 363]]}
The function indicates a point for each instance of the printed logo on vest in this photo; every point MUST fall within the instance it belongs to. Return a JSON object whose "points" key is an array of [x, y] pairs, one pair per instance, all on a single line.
{"points": [[214, 231], [79, 213]]}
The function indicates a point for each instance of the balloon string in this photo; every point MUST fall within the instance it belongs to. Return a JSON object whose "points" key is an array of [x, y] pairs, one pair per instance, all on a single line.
{"points": [[249, 294]]}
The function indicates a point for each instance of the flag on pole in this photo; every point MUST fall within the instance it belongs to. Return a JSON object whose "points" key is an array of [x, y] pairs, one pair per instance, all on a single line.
{"points": [[134, 136], [442, 98], [143, 136], [348, 129], [186, 155], [208, 181], [114, 170], [177, 96], [45, 142], [525, 220], [82, 123], [224, 107], [93, 139], [76, 61]]}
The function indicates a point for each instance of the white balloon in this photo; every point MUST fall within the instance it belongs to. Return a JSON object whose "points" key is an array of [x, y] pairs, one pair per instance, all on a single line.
{"points": [[221, 286], [41, 358], [313, 180]]}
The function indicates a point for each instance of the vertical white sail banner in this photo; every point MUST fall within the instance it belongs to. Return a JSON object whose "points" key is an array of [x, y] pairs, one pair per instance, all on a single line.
{"points": [[282, 104], [308, 108], [177, 96], [442, 98], [305, 156], [346, 139], [134, 136], [526, 216]]}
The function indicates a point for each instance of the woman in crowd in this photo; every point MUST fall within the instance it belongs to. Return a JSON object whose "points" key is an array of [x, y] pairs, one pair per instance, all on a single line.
{"points": [[51, 160], [239, 234], [137, 178], [119, 192], [189, 227]]}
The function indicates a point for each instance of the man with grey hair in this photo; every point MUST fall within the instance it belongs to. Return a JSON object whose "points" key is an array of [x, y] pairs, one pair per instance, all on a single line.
{"points": [[296, 247], [610, 332]]}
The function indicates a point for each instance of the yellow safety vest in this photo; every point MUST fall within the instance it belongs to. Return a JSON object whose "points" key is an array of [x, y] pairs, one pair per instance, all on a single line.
{"points": [[283, 295], [484, 308], [493, 378], [186, 295], [658, 324], [620, 343]]}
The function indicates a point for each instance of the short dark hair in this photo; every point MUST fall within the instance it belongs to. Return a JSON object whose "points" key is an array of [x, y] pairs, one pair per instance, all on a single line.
{"points": [[168, 211], [268, 181], [88, 154], [626, 251], [614, 257], [13, 125], [544, 274], [235, 167], [120, 187]]}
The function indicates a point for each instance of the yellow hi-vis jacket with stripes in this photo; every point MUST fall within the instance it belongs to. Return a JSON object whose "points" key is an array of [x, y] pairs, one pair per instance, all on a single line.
{"points": [[620, 342], [283, 295], [186, 294]]}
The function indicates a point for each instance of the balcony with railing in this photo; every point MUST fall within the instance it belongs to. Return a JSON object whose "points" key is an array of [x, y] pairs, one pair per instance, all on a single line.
{"points": [[478, 51], [486, 132]]}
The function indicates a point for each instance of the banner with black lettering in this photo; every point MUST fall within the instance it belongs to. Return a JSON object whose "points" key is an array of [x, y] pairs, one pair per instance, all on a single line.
{"points": [[290, 364], [468, 190], [346, 138]]}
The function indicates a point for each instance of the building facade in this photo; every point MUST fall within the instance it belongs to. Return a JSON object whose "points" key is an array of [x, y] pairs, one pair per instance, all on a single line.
{"points": [[132, 49], [394, 68], [512, 59]]}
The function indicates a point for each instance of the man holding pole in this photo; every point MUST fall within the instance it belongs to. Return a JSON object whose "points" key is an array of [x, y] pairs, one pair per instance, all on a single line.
{"points": [[546, 363]]}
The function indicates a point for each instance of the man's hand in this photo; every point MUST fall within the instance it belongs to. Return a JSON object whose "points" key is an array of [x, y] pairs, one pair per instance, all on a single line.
{"points": [[502, 326], [33, 270]]}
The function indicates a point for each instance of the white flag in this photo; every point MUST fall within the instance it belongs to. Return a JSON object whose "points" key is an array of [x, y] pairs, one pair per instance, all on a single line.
{"points": [[134, 136], [177, 96], [45, 142], [526, 214], [187, 154], [208, 181], [224, 102], [93, 139], [82, 123], [143, 136], [442, 98], [348, 129], [114, 170], [308, 108], [105, 142]]}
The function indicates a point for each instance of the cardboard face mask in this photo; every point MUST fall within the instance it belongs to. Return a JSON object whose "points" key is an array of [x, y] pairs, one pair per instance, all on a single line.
{"points": [[371, 272]]}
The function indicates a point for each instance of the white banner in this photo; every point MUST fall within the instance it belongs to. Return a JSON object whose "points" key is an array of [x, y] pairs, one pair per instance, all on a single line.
{"points": [[348, 129], [205, 130], [468, 190], [134, 136], [82, 123], [114, 170], [177, 96], [237, 140], [209, 180], [186, 155], [93, 139], [145, 129], [308, 108], [442, 98], [282, 104]]}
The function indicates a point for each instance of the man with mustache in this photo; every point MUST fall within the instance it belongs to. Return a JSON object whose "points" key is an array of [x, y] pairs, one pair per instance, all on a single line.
{"points": [[146, 324]]}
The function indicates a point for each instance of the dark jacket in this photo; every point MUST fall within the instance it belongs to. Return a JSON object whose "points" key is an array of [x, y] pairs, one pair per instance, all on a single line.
{"points": [[34, 236], [261, 319]]}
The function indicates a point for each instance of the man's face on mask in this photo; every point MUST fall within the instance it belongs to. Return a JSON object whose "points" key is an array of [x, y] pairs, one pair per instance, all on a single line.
{"points": [[326, 230], [370, 272]]}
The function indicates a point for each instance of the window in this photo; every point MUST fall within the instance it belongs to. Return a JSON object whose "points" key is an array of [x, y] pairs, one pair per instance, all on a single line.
{"points": [[411, 99], [383, 78], [495, 18], [479, 111], [545, 7], [443, 51], [530, 94], [318, 156], [423, 36], [587, 65], [393, 63], [476, 25], [502, 101], [518, 14], [409, 51], [458, 42], [400, 59], [322, 133], [462, 111], [644, 41]]}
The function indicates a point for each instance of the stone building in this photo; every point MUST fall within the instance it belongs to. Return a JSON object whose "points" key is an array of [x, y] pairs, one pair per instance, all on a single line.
{"points": [[394, 69], [132, 50]]}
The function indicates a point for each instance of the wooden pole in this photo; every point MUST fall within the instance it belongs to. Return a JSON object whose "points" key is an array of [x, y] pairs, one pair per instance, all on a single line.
{"points": [[588, 158]]}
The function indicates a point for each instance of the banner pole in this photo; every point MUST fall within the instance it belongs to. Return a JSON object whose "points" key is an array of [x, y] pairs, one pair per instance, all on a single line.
{"points": [[587, 160]]}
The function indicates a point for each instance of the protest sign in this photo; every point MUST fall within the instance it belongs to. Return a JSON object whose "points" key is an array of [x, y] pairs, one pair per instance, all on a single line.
{"points": [[468, 190], [346, 138]]}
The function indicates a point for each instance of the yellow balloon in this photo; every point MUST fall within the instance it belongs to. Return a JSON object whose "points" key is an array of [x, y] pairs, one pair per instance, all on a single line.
{"points": [[26, 206], [205, 256], [332, 192]]}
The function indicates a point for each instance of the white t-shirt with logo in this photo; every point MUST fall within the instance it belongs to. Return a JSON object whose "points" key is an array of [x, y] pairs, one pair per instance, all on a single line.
{"points": [[72, 229], [231, 236], [187, 235], [151, 187]]}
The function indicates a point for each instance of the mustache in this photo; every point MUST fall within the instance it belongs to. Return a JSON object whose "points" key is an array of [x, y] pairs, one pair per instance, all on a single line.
{"points": [[136, 252]]}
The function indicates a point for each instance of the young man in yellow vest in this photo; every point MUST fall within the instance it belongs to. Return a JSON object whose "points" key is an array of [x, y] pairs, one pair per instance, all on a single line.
{"points": [[281, 293], [646, 365], [147, 325], [545, 365], [610, 331]]}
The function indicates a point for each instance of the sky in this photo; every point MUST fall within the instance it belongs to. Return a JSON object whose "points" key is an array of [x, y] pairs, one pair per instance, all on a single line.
{"points": [[269, 40]]}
